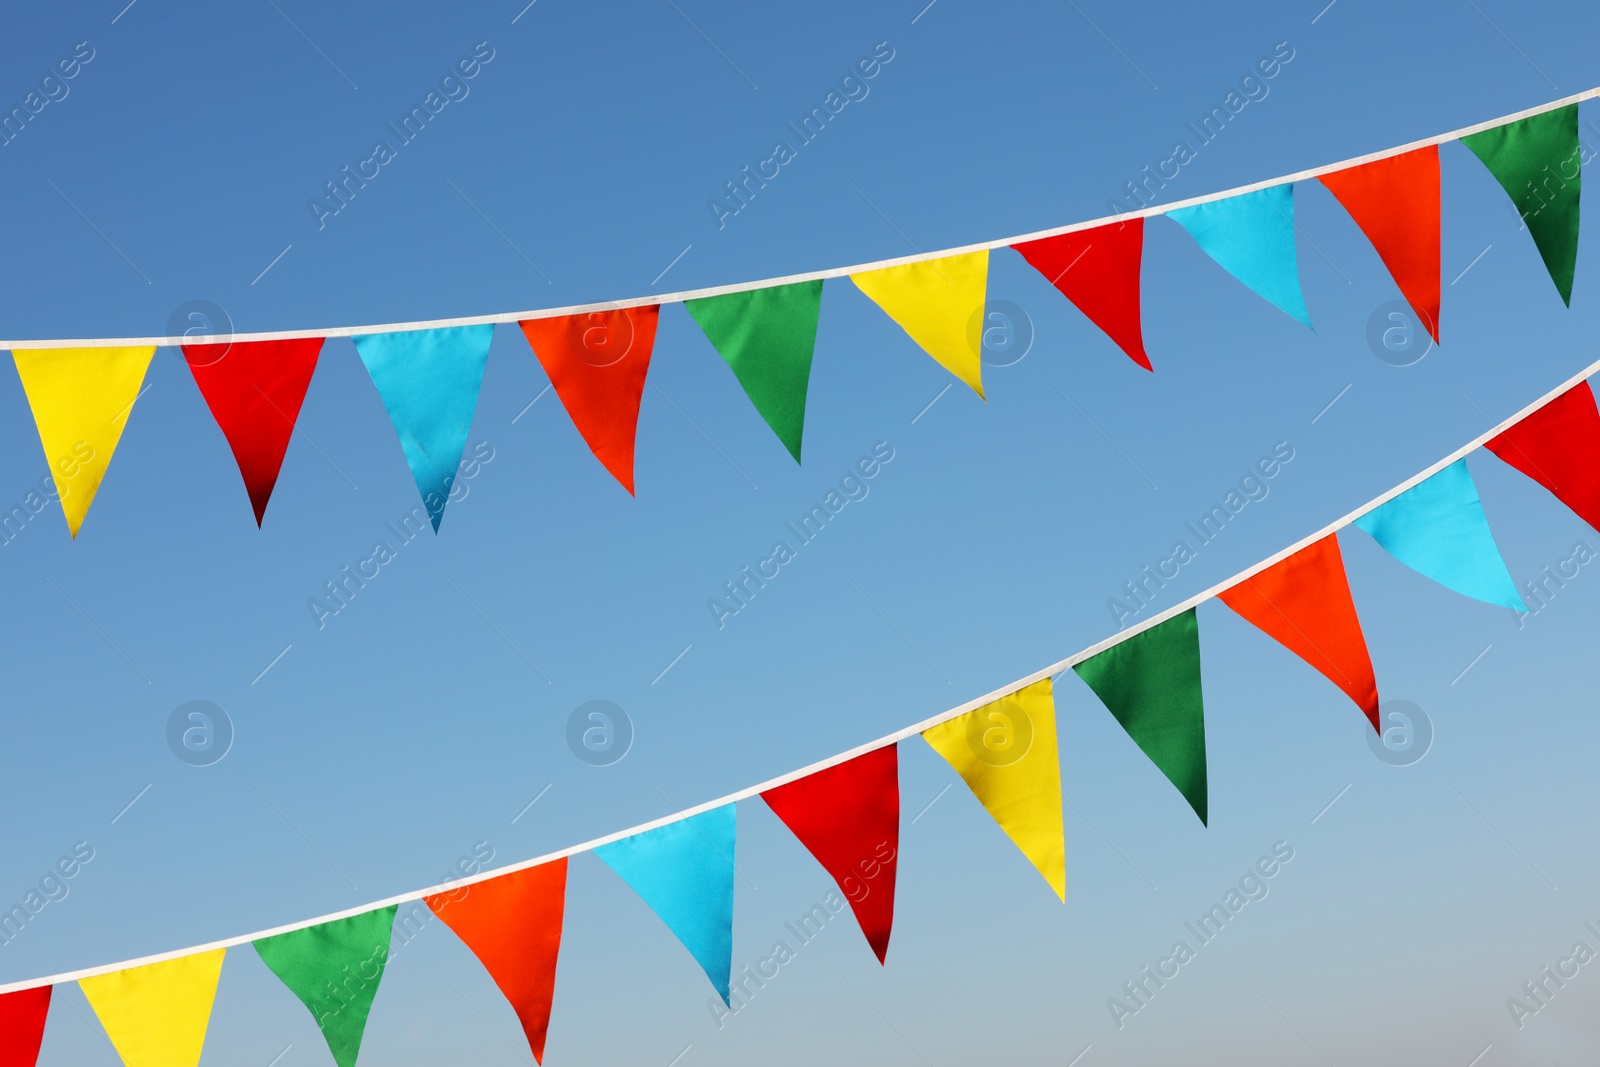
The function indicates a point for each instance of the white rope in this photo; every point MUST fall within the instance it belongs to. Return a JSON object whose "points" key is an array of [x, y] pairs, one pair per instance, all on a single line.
{"points": [[832, 272], [870, 746]]}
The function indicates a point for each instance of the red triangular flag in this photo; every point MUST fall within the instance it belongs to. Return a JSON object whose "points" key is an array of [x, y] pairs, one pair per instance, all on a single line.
{"points": [[1304, 604], [513, 925], [597, 362], [22, 1016], [1098, 270], [254, 390], [1558, 446], [1395, 201], [848, 816]]}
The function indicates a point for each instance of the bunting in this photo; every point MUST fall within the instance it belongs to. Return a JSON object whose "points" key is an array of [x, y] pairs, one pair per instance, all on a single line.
{"points": [[22, 1017], [1438, 529], [513, 925], [1151, 683], [334, 969], [848, 817], [1395, 201], [254, 391], [939, 303], [597, 363], [684, 871], [82, 399], [1098, 270], [156, 1015], [429, 381], [1006, 753], [767, 336], [1556, 446], [1304, 603], [1251, 236], [1538, 162]]}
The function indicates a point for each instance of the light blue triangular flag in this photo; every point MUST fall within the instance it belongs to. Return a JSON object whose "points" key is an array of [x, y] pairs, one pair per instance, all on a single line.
{"points": [[684, 871], [429, 381], [1252, 236], [1438, 529]]}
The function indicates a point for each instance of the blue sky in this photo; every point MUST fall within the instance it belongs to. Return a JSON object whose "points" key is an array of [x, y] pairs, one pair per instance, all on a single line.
{"points": [[422, 719]]}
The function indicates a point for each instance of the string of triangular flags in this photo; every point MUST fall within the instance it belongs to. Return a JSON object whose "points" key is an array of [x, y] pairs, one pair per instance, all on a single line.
{"points": [[846, 810], [597, 357]]}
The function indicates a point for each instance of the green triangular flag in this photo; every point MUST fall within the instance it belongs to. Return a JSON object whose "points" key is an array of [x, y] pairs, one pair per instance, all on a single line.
{"points": [[1531, 158], [335, 969], [1151, 683], [767, 337]]}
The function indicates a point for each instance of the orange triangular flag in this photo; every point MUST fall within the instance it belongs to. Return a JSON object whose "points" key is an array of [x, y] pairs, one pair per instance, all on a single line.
{"points": [[1304, 604], [1395, 201], [513, 925], [597, 362]]}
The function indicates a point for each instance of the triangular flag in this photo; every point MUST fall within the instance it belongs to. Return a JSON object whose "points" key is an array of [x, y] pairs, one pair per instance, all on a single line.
{"points": [[1536, 160], [767, 336], [513, 925], [1304, 603], [81, 399], [335, 969], [429, 381], [939, 302], [1006, 753], [156, 1015], [684, 871], [597, 362], [848, 817], [254, 390], [1151, 684], [22, 1016], [1438, 529], [1395, 201], [1098, 270], [1252, 236], [1557, 447]]}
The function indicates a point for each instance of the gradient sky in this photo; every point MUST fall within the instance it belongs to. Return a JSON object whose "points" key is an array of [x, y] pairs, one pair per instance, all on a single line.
{"points": [[424, 717]]}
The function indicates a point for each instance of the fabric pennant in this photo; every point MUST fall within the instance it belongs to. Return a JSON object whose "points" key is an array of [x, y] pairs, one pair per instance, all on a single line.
{"points": [[1395, 201], [767, 336], [81, 399], [1006, 752], [513, 925], [1438, 529], [22, 1016], [848, 817], [684, 871], [334, 969], [1151, 684], [1098, 270], [597, 363], [939, 302], [156, 1015], [1557, 446], [429, 381], [1536, 160], [1304, 603], [1252, 237], [254, 390]]}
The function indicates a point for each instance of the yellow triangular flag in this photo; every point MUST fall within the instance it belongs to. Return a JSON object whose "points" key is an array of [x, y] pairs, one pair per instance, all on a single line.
{"points": [[156, 1015], [939, 302], [1006, 753], [81, 399]]}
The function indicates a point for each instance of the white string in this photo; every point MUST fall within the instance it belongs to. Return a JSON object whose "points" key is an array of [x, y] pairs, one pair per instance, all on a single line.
{"points": [[870, 746], [832, 272]]}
